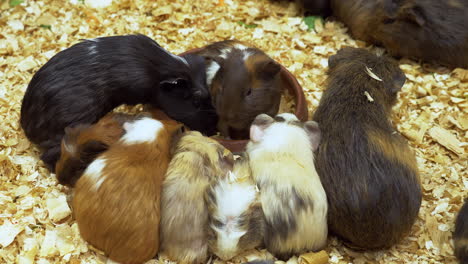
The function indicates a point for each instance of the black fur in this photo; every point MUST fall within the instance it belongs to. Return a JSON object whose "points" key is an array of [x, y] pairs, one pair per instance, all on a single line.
{"points": [[373, 190], [460, 236], [84, 82]]}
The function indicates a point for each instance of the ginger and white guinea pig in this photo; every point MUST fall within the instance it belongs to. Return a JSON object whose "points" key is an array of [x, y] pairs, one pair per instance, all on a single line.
{"points": [[83, 143], [244, 82], [460, 236], [84, 82], [196, 163], [430, 30], [367, 168], [116, 201], [293, 198], [236, 220]]}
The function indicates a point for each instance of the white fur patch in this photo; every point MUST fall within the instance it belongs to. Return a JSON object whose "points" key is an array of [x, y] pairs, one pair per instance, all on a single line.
{"points": [[225, 52], [233, 199], [288, 117], [141, 131], [211, 71], [240, 46], [247, 54], [92, 49], [94, 173]]}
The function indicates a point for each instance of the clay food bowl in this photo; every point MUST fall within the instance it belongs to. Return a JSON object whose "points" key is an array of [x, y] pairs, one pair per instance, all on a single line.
{"points": [[291, 84]]}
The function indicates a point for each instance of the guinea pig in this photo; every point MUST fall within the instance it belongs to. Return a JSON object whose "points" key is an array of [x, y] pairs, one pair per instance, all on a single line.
{"points": [[236, 220], [197, 161], [460, 236], [116, 201], [368, 171], [244, 82], [313, 7], [84, 142], [81, 84], [430, 30], [293, 199]]}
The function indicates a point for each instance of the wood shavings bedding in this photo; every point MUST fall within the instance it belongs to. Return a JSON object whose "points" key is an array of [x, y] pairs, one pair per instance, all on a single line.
{"points": [[36, 223]]}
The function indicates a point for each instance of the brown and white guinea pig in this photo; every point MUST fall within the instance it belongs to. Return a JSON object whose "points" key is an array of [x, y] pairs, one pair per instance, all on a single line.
{"points": [[367, 168], [460, 236], [117, 200], [244, 82], [197, 161], [293, 199], [236, 220], [84, 82], [83, 143], [430, 30]]}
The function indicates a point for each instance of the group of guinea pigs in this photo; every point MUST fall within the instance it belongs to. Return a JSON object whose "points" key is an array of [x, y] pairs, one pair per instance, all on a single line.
{"points": [[433, 31], [155, 182]]}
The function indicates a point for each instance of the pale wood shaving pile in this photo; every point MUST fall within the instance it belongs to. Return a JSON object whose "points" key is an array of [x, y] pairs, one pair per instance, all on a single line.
{"points": [[36, 224]]}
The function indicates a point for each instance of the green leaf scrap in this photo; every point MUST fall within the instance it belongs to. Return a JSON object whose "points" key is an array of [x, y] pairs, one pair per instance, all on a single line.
{"points": [[14, 3], [242, 23], [45, 26], [310, 21]]}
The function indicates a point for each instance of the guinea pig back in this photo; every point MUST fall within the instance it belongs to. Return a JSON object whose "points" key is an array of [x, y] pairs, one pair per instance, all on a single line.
{"points": [[292, 197], [244, 82], [236, 220], [411, 28], [117, 200], [83, 143], [82, 83], [367, 168], [460, 236], [197, 161]]}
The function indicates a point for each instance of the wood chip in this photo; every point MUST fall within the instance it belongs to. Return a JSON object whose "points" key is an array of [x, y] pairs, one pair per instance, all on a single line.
{"points": [[446, 139]]}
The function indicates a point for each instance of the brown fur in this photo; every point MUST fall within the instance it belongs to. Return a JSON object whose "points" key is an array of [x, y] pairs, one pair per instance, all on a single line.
{"points": [[366, 167], [197, 161], [121, 216], [430, 30], [81, 144], [242, 89], [460, 236]]}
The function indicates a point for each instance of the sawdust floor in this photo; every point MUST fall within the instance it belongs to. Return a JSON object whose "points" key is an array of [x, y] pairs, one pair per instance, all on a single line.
{"points": [[36, 225]]}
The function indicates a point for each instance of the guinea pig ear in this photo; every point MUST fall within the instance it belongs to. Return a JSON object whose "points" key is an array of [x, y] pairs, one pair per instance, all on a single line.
{"points": [[269, 69], [226, 159], [91, 149], [260, 123], [397, 82], [313, 130]]}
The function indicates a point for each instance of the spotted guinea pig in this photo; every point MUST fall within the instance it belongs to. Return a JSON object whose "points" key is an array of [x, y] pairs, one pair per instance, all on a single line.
{"points": [[197, 161], [116, 201], [244, 82], [430, 30], [236, 220], [83, 143], [292, 197], [367, 168]]}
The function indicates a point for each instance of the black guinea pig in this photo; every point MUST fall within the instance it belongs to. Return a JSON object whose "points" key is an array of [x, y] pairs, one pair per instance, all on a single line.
{"points": [[430, 30], [84, 82], [244, 82], [460, 236], [368, 171]]}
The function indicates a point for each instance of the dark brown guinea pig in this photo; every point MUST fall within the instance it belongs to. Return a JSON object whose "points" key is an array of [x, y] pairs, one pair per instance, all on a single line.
{"points": [[366, 167], [431, 30], [460, 236], [244, 82], [116, 201], [82, 143]]}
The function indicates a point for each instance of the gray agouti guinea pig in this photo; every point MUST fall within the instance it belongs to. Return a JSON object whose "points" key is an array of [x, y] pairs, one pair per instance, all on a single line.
{"points": [[83, 143], [82, 83], [116, 201], [293, 199], [196, 163], [367, 168], [244, 82], [460, 236], [236, 220], [430, 30]]}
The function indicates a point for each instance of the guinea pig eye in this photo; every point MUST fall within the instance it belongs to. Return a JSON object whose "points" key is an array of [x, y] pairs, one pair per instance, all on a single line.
{"points": [[217, 223], [249, 92]]}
